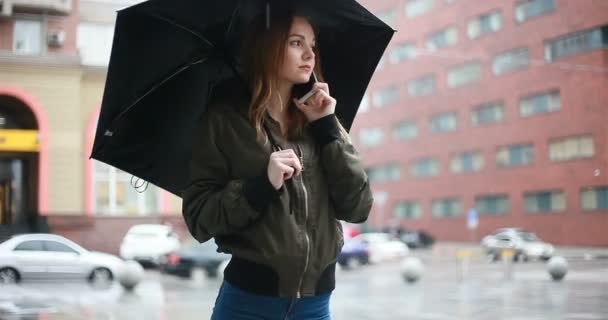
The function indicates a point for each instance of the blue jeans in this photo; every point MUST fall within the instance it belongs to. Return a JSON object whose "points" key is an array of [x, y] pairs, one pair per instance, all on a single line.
{"points": [[235, 304]]}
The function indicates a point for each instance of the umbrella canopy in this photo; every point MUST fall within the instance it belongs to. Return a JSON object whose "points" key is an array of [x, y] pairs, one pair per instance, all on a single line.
{"points": [[168, 57]]}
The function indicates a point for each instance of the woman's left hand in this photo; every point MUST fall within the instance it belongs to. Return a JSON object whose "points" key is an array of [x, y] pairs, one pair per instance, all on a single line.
{"points": [[321, 104]]}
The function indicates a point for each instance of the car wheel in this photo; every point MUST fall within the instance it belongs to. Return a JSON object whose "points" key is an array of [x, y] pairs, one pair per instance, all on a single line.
{"points": [[9, 276], [101, 275]]}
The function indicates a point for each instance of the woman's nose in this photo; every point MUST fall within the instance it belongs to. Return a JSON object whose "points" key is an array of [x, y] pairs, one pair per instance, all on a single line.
{"points": [[309, 53]]}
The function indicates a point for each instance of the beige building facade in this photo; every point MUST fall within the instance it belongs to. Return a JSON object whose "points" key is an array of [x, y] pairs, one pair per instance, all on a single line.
{"points": [[53, 64]]}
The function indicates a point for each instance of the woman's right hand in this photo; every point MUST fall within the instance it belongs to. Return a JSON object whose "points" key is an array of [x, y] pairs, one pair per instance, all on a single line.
{"points": [[283, 165]]}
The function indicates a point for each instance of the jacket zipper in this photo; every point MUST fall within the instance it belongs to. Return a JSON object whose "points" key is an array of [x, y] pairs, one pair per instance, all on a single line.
{"points": [[301, 154]]}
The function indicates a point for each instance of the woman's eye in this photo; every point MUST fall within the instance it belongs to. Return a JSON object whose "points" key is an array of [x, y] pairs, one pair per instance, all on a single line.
{"points": [[296, 42]]}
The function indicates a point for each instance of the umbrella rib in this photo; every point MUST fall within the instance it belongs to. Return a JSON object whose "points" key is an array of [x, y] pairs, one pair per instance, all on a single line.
{"points": [[156, 86], [196, 34], [232, 18]]}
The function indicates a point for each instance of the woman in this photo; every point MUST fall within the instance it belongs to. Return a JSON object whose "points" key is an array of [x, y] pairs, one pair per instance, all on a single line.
{"points": [[271, 177]]}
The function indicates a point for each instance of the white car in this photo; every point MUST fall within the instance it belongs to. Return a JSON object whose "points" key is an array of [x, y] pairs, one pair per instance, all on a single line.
{"points": [[383, 246], [45, 256], [526, 245], [147, 243]]}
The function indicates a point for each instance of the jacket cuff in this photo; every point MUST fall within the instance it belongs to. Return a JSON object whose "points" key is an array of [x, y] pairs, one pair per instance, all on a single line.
{"points": [[259, 192], [325, 130]]}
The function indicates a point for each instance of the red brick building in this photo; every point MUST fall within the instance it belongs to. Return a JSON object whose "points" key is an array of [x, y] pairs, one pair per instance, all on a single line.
{"points": [[498, 107]]}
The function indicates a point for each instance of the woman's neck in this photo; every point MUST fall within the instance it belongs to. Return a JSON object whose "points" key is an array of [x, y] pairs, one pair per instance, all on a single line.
{"points": [[279, 103]]}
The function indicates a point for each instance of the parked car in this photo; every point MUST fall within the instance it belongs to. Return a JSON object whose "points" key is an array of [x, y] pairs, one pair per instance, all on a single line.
{"points": [[383, 246], [416, 238], [412, 237], [193, 255], [526, 245], [47, 256], [354, 253], [147, 243]]}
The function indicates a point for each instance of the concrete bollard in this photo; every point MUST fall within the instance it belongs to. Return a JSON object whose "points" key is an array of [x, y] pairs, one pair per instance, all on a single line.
{"points": [[557, 268], [411, 269], [130, 275]]}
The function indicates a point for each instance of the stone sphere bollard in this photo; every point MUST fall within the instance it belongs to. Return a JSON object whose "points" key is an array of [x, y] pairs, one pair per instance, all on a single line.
{"points": [[557, 268], [130, 275], [411, 269]]}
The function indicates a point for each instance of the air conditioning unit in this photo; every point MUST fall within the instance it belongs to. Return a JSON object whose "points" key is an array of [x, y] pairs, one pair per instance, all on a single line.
{"points": [[6, 8], [56, 38]]}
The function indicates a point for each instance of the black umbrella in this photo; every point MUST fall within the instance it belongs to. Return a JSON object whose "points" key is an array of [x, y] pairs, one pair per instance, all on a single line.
{"points": [[169, 56]]}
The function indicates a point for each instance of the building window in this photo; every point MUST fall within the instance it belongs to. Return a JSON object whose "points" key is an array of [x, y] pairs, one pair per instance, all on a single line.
{"points": [[94, 43], [540, 103], [115, 194], [572, 148], [391, 172], [406, 130], [415, 8], [442, 39], [466, 162], [408, 210], [464, 74], [515, 156], [444, 122], [27, 37], [594, 198], [576, 43], [422, 86], [548, 201], [386, 96], [510, 61], [371, 137], [364, 106], [445, 208], [484, 24], [492, 205], [532, 8], [425, 168], [402, 52], [488, 113], [389, 16]]}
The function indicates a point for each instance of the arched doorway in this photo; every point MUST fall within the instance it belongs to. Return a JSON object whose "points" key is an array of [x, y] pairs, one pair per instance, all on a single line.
{"points": [[19, 157]]}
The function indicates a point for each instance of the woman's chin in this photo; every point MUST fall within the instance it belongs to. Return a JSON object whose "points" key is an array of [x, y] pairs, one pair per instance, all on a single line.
{"points": [[301, 80]]}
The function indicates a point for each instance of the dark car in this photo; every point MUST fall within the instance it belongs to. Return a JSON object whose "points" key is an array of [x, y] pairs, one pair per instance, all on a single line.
{"points": [[416, 238], [413, 238], [354, 252], [195, 255]]}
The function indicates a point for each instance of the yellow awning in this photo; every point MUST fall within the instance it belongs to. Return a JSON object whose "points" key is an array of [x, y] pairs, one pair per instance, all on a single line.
{"points": [[19, 140]]}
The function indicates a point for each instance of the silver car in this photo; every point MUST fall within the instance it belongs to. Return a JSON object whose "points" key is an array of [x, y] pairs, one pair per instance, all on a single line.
{"points": [[524, 244], [48, 256]]}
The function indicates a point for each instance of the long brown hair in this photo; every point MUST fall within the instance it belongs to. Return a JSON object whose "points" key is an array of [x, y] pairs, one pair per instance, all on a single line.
{"points": [[263, 56]]}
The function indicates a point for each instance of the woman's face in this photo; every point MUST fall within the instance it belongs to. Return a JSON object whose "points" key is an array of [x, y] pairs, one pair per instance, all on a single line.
{"points": [[299, 56]]}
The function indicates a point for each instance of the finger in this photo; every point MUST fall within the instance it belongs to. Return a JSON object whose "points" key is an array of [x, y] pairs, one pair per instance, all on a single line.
{"points": [[286, 170], [286, 153], [322, 86], [298, 104], [294, 163], [323, 98]]}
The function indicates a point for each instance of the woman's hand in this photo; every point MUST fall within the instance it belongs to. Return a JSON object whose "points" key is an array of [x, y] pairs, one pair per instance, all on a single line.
{"points": [[321, 104], [283, 165]]}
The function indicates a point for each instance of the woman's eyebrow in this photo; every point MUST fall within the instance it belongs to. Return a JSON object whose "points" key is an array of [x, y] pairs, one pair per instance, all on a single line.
{"points": [[301, 36]]}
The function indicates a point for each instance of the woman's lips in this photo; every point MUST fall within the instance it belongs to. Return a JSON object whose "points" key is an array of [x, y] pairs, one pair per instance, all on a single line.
{"points": [[306, 68]]}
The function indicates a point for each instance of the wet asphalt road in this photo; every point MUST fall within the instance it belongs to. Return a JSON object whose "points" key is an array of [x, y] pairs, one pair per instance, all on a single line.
{"points": [[370, 292]]}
